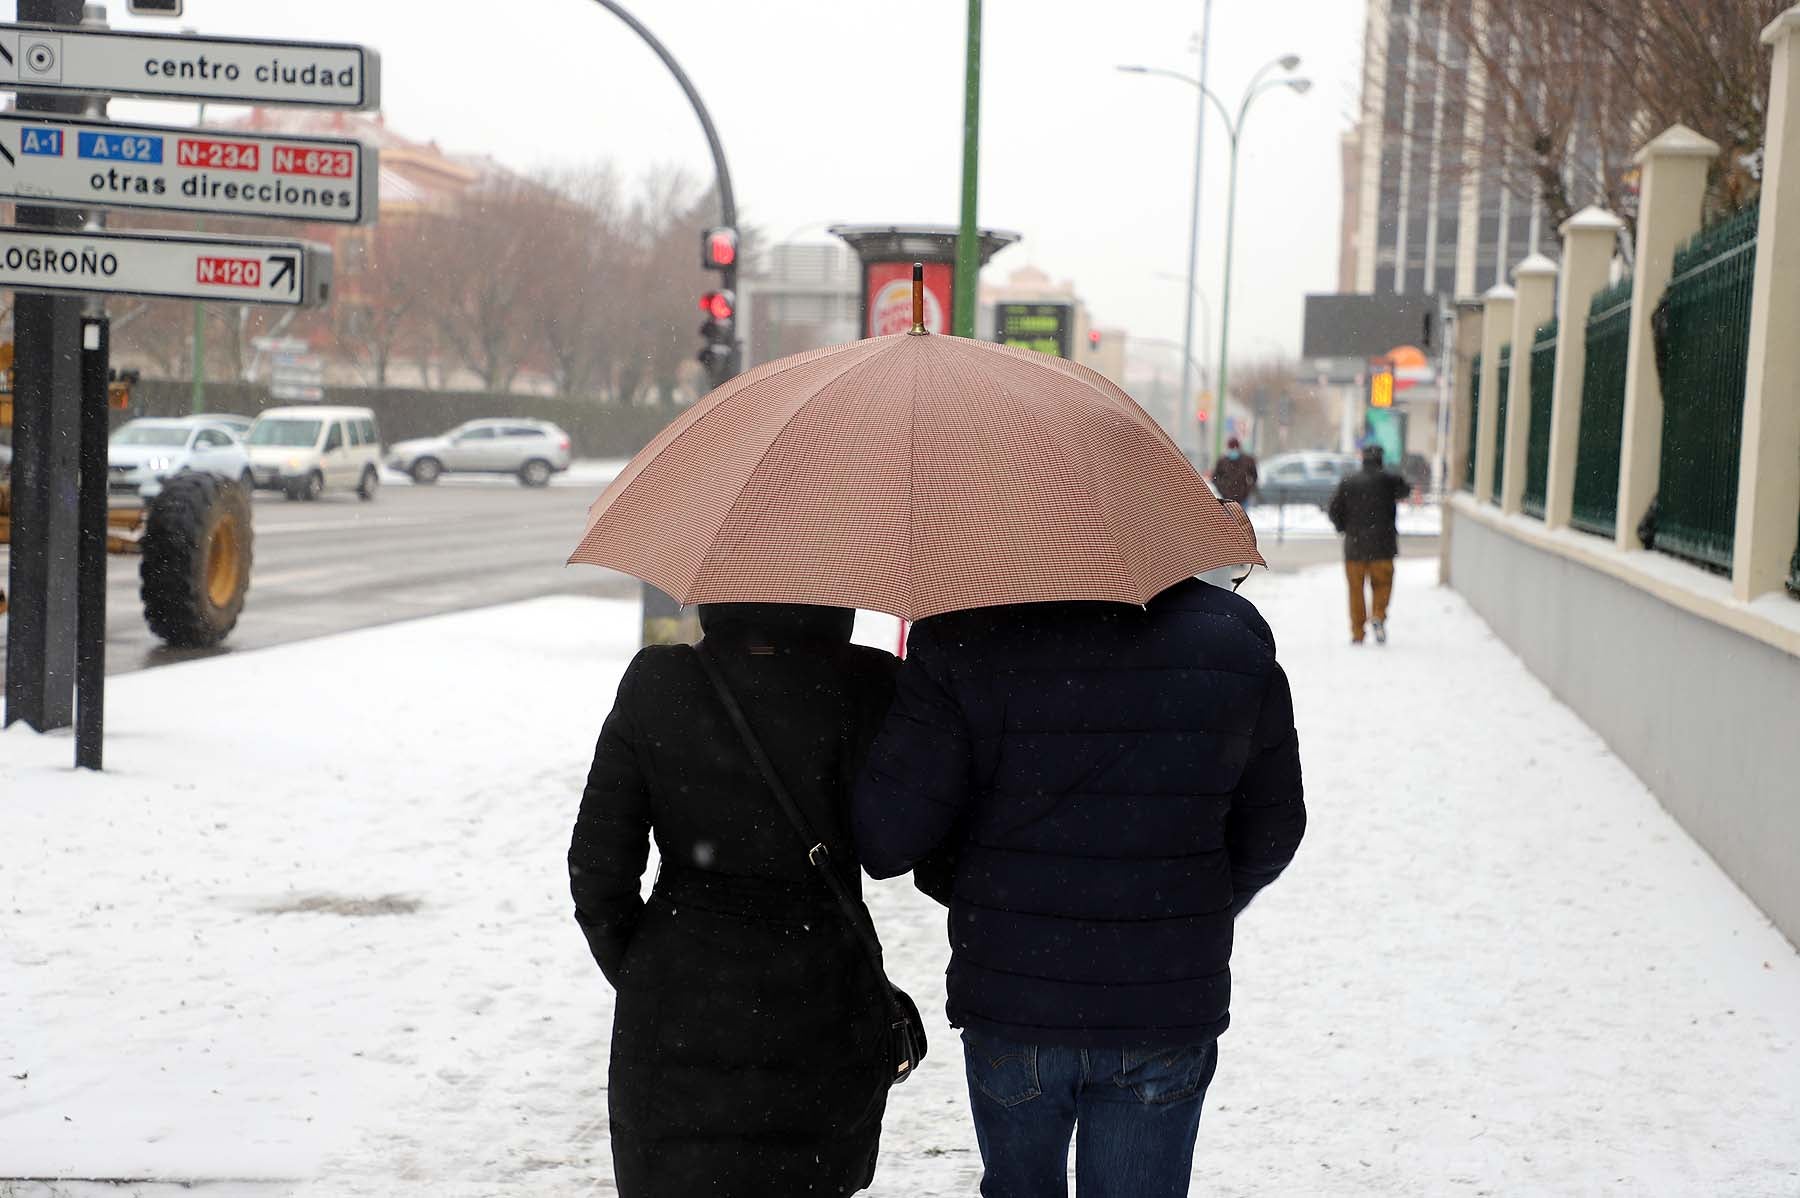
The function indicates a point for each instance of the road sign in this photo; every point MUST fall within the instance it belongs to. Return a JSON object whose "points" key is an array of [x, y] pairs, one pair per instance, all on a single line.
{"points": [[99, 164], [166, 265], [166, 66]]}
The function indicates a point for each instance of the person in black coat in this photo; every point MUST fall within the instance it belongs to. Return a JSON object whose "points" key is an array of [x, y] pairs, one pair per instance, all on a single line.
{"points": [[1111, 785], [749, 1039], [1363, 509]]}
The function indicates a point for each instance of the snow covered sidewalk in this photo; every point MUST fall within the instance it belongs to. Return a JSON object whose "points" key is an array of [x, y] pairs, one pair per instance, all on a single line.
{"points": [[311, 935]]}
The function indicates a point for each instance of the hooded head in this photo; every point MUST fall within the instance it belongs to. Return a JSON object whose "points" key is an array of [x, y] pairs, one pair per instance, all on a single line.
{"points": [[1234, 448], [778, 623], [1373, 457]]}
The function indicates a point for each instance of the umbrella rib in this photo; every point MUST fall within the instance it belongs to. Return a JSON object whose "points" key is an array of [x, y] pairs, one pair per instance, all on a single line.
{"points": [[1029, 414]]}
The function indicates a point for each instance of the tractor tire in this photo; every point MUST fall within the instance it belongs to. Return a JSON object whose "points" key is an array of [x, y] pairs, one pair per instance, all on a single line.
{"points": [[196, 569]]}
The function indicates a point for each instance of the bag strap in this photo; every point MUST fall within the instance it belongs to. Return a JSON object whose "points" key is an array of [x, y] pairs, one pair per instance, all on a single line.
{"points": [[816, 851]]}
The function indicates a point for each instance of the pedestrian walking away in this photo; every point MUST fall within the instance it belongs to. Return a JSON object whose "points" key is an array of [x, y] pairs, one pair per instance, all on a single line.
{"points": [[1363, 509], [1096, 791], [750, 1035], [1234, 474]]}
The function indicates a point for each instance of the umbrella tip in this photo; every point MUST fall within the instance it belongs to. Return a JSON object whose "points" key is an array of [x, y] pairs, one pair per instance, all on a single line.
{"points": [[918, 325]]}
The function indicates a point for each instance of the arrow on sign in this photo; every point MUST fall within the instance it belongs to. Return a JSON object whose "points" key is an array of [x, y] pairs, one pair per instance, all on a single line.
{"points": [[5, 53], [284, 269]]}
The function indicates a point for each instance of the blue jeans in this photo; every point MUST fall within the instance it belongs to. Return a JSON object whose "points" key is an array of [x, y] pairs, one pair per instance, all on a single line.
{"points": [[1137, 1113]]}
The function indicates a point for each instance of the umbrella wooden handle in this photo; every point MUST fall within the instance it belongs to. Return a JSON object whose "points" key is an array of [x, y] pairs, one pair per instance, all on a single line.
{"points": [[918, 325]]}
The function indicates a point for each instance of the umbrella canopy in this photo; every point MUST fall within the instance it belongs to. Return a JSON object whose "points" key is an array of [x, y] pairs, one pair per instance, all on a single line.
{"points": [[913, 474]]}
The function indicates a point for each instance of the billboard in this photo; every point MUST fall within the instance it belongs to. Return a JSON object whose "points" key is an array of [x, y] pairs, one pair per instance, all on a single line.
{"points": [[1368, 326], [887, 287], [1046, 328]]}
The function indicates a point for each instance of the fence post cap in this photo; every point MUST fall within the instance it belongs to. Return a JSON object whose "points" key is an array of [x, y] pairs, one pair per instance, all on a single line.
{"points": [[1535, 267], [1592, 217], [1499, 293], [1786, 25], [1678, 141]]}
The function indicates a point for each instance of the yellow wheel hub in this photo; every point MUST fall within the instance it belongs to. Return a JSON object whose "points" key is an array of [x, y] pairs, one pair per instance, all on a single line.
{"points": [[222, 562]]}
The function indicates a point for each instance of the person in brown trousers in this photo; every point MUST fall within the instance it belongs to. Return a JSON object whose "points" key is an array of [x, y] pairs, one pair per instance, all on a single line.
{"points": [[1363, 509]]}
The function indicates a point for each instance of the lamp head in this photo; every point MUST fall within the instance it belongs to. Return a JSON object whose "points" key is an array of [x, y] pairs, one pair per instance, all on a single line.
{"points": [[1289, 62], [1133, 70], [1300, 86]]}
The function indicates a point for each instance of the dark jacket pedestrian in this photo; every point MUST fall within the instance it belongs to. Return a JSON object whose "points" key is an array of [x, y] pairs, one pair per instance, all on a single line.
{"points": [[1363, 508], [748, 1050], [1234, 474], [1114, 784]]}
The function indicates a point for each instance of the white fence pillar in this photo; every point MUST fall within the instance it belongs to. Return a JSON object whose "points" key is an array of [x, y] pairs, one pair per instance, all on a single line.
{"points": [[1589, 239], [1496, 329], [1534, 281], [1465, 347], [1769, 472], [1671, 192]]}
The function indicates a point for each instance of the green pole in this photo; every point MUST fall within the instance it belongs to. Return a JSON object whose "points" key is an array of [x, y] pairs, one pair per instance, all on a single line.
{"points": [[968, 247], [1225, 313]]}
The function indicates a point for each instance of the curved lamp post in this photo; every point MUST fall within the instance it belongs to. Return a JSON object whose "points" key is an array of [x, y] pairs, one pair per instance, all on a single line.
{"points": [[1234, 128]]}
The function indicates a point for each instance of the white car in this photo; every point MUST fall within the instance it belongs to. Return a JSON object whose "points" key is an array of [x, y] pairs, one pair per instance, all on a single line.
{"points": [[142, 453], [531, 449], [303, 452]]}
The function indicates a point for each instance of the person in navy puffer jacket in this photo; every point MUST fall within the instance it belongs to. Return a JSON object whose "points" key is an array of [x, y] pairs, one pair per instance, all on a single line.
{"points": [[1096, 791]]}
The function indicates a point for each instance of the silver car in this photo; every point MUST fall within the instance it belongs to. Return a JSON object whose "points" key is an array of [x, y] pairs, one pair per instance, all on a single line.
{"points": [[533, 450], [142, 453]]}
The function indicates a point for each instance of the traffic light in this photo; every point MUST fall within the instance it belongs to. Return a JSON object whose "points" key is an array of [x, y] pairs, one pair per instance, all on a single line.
{"points": [[719, 331], [719, 248], [1094, 341]]}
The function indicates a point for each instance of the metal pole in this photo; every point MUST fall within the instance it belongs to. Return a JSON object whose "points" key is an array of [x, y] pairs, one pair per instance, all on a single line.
{"points": [[968, 247], [40, 631], [90, 624], [199, 394], [1190, 434], [656, 626], [1225, 306]]}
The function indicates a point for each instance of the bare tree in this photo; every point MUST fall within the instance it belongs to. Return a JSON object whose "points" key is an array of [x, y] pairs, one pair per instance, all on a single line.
{"points": [[383, 283]]}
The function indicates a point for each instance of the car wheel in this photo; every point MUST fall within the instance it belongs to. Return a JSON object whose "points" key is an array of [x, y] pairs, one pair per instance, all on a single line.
{"points": [[535, 473], [425, 471], [371, 481], [247, 481], [313, 487], [291, 492]]}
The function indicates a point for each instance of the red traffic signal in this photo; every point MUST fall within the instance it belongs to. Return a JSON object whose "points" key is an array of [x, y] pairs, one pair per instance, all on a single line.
{"points": [[719, 248], [720, 305], [1093, 338]]}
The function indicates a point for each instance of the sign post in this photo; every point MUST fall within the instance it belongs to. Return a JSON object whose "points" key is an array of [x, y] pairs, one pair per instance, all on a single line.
{"points": [[58, 165]]}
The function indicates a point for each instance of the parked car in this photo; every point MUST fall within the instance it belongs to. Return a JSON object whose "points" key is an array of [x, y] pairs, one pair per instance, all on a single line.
{"points": [[142, 454], [534, 450], [303, 452], [1303, 478]]}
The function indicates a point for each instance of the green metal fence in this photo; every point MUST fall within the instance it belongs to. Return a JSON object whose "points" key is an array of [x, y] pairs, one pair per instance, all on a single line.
{"points": [[1503, 385], [1703, 353], [1594, 506], [1794, 571], [1474, 420], [1537, 445]]}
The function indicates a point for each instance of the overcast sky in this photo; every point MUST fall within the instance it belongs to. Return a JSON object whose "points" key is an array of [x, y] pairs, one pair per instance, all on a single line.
{"points": [[851, 110]]}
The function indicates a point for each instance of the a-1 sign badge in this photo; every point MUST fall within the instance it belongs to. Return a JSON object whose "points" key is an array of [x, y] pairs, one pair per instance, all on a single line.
{"points": [[101, 164], [254, 270], [166, 66]]}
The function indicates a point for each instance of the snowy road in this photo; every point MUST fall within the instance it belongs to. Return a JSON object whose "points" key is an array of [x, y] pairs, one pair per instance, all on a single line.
{"points": [[316, 940]]}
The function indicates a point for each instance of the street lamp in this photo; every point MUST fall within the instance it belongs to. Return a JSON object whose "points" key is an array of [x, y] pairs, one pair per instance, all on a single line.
{"points": [[1234, 128]]}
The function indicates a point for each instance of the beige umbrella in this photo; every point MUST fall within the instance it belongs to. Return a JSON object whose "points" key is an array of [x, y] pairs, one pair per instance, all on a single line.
{"points": [[914, 474]]}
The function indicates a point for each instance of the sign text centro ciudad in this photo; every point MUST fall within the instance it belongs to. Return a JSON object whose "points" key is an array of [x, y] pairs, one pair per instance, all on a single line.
{"points": [[183, 67]]}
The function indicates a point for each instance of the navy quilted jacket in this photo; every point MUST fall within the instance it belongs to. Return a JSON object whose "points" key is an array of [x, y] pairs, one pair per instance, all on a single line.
{"points": [[1096, 790]]}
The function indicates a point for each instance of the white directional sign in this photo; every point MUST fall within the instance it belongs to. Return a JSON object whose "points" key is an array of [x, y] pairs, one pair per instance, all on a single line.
{"points": [[171, 266], [99, 164], [180, 67]]}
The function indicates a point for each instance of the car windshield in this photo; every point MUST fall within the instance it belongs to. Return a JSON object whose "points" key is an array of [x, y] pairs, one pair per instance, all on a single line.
{"points": [[151, 434], [290, 434]]}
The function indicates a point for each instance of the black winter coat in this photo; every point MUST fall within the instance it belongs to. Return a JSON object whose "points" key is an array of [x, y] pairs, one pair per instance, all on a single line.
{"points": [[1116, 782], [1362, 508], [748, 1037]]}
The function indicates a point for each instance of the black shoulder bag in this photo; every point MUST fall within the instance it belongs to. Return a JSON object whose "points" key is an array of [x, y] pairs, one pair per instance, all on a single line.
{"points": [[906, 1032]]}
